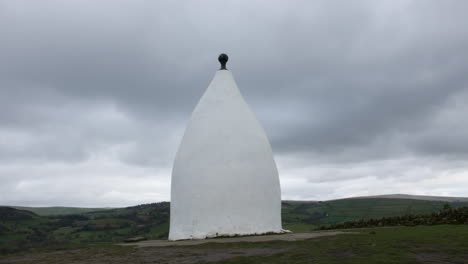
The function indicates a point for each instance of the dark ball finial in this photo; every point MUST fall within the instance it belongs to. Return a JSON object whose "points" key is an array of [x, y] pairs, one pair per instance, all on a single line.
{"points": [[223, 58]]}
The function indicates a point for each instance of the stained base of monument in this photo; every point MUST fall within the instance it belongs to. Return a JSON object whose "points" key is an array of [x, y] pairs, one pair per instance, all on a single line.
{"points": [[225, 235]]}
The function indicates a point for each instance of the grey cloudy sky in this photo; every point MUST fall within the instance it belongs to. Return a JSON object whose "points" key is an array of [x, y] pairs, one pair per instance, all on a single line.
{"points": [[357, 97]]}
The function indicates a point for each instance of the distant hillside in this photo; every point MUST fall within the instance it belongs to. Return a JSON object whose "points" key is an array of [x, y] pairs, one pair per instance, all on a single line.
{"points": [[306, 216], [415, 197], [13, 214], [21, 229], [447, 215], [59, 210]]}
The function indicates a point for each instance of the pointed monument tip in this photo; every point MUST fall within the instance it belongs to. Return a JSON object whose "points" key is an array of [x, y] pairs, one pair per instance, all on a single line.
{"points": [[223, 58]]}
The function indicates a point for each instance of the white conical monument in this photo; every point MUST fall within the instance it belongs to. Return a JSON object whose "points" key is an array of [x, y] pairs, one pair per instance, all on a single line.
{"points": [[224, 181]]}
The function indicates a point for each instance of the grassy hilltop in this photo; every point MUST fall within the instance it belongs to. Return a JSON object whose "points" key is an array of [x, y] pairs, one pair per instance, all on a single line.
{"points": [[22, 229]]}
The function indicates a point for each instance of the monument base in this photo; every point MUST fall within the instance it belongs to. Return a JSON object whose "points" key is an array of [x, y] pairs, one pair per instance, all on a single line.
{"points": [[222, 235]]}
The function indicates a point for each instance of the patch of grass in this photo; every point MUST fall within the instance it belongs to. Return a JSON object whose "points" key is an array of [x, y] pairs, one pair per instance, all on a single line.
{"points": [[299, 227], [439, 244], [388, 245], [159, 231]]}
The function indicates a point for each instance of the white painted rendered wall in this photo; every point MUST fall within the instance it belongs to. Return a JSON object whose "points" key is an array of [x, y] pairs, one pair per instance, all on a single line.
{"points": [[224, 180]]}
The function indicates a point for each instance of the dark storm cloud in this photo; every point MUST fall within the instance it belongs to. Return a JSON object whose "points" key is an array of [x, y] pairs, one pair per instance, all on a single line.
{"points": [[388, 79], [337, 82]]}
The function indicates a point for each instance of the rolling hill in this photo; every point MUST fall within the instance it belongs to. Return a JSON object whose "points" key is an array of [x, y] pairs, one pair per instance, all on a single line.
{"points": [[59, 210], [415, 197], [21, 229]]}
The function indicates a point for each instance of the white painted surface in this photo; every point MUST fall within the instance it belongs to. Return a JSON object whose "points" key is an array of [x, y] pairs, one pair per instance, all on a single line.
{"points": [[224, 180]]}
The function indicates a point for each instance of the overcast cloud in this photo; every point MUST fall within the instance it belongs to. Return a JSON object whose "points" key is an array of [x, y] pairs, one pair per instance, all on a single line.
{"points": [[357, 97]]}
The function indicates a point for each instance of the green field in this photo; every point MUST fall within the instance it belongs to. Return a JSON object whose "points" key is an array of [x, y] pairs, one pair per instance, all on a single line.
{"points": [[423, 244], [24, 230], [389, 245]]}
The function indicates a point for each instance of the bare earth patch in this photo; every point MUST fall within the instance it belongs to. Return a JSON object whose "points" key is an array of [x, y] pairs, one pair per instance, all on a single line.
{"points": [[282, 237], [163, 251]]}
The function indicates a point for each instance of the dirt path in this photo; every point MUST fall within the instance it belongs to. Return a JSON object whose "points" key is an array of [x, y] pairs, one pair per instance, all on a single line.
{"points": [[283, 237], [160, 251]]}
